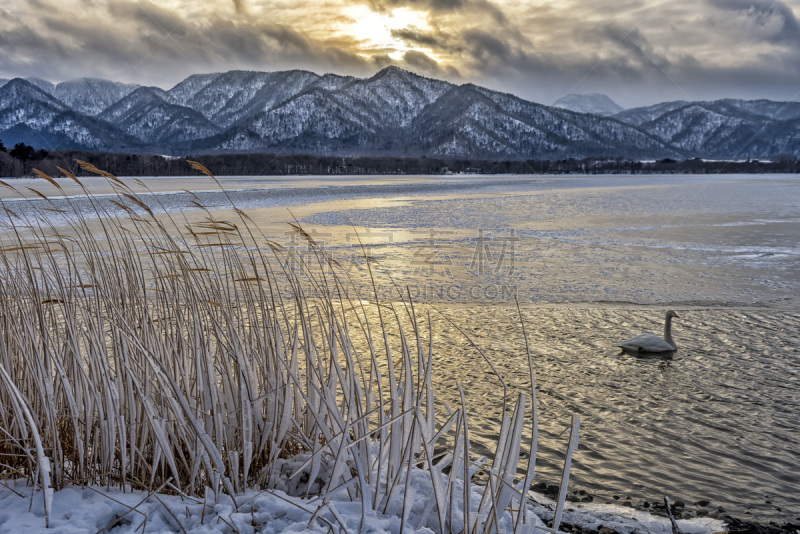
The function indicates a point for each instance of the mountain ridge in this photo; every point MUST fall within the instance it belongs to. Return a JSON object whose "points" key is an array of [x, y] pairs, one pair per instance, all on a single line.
{"points": [[394, 112], [27, 111]]}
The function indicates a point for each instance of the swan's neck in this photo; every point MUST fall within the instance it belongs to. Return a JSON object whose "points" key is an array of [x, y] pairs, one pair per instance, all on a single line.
{"points": [[668, 332]]}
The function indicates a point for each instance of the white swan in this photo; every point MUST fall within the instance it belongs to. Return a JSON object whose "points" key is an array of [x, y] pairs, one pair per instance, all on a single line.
{"points": [[651, 342]]}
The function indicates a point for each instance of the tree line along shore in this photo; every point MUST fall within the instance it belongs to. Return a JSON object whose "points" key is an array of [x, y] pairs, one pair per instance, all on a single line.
{"points": [[21, 160]]}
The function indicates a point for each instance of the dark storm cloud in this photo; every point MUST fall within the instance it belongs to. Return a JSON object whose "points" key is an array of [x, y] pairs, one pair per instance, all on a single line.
{"points": [[636, 45], [343, 58], [420, 62], [240, 6], [484, 48], [288, 39], [479, 48], [19, 39], [417, 37], [149, 16], [507, 58], [774, 19]]}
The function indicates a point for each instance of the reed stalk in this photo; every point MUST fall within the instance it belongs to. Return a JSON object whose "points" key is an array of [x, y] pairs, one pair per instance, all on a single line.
{"points": [[144, 351]]}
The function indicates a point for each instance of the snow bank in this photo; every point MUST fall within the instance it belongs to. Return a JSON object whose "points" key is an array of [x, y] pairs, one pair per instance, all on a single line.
{"points": [[92, 509]]}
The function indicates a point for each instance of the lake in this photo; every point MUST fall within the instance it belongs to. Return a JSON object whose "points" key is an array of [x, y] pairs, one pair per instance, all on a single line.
{"points": [[592, 260]]}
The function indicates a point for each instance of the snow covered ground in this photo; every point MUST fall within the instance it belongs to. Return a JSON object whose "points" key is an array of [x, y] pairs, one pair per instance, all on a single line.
{"points": [[94, 509]]}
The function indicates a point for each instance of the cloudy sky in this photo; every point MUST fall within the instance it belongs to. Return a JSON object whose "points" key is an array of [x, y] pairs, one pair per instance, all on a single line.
{"points": [[636, 51]]}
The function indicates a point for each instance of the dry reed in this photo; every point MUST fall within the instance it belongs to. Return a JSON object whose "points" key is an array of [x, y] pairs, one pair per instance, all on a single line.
{"points": [[146, 352]]}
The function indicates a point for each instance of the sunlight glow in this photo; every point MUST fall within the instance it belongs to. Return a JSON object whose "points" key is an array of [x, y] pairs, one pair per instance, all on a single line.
{"points": [[374, 30]]}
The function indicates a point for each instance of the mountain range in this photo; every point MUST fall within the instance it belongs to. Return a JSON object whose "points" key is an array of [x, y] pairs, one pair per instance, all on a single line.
{"points": [[395, 112]]}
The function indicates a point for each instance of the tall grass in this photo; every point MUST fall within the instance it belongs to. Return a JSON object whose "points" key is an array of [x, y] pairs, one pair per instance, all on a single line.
{"points": [[148, 352]]}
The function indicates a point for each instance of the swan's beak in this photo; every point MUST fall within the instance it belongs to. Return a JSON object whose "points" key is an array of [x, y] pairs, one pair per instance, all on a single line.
{"points": [[676, 315]]}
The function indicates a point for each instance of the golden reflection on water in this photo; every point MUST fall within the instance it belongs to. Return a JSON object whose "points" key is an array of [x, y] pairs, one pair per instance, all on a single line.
{"points": [[715, 421]]}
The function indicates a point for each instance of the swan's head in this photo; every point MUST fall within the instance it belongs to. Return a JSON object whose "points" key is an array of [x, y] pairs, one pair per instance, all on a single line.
{"points": [[671, 314]]}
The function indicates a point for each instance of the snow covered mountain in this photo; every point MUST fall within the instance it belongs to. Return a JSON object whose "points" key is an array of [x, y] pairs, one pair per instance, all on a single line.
{"points": [[332, 82], [393, 97], [594, 103], [398, 112], [724, 129], [474, 120], [19, 97], [333, 116], [311, 122], [231, 97], [755, 109], [44, 85], [147, 115], [30, 115], [394, 112], [643, 115], [90, 96]]}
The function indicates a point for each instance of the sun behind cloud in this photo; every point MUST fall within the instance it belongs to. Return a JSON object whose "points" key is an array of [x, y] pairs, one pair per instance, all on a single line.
{"points": [[373, 30]]}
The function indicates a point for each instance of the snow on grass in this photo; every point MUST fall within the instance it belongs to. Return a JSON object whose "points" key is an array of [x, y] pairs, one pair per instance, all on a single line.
{"points": [[93, 509]]}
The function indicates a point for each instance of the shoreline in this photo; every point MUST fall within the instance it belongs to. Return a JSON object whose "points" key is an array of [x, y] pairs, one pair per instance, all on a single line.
{"points": [[304, 164], [681, 511], [80, 508]]}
